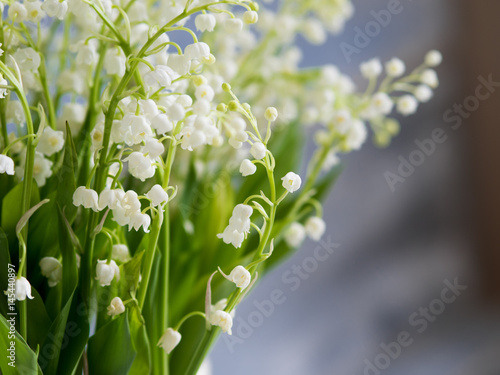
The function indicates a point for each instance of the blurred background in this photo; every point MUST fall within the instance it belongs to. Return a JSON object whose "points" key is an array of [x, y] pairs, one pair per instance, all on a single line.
{"points": [[399, 251]]}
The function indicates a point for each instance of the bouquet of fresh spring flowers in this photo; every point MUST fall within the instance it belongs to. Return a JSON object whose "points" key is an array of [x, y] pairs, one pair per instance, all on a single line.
{"points": [[151, 169]]}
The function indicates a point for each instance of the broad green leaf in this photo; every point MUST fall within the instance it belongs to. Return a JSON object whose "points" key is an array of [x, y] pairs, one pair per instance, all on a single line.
{"points": [[110, 350], [77, 333], [38, 320], [57, 338], [25, 358], [142, 362], [11, 209]]}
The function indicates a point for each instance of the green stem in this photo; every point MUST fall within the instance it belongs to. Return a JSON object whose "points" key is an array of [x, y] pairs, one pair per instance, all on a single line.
{"points": [[148, 261], [209, 337]]}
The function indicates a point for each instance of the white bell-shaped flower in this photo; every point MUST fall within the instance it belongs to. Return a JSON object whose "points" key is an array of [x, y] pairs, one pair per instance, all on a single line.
{"points": [[315, 227], [407, 105], [258, 150], [116, 307], [205, 22], [169, 340], [120, 253], [51, 141], [140, 166], [271, 114], [295, 234], [158, 195], [6, 164], [55, 8], [105, 273], [223, 320], [247, 168], [291, 182], [371, 68], [110, 198], [240, 276], [138, 220], [153, 148], [433, 58], [430, 78], [250, 17], [423, 93], [395, 68], [162, 124], [23, 289], [52, 269], [181, 64], [382, 103], [87, 198], [197, 51]]}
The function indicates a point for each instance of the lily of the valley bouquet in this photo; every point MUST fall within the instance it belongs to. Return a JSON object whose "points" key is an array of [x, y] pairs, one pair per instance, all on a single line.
{"points": [[152, 168]]}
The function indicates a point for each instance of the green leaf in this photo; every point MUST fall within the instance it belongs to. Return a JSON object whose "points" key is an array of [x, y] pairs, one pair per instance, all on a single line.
{"points": [[110, 350], [130, 273], [11, 209], [27, 215], [25, 358], [38, 320], [77, 333], [55, 340], [68, 251], [43, 232], [67, 177], [142, 362]]}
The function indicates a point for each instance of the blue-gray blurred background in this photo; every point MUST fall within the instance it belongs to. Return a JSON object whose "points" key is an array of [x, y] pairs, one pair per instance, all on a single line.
{"points": [[397, 249]]}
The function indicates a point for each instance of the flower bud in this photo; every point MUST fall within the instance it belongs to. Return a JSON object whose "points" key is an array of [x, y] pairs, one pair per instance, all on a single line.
{"points": [[247, 168], [250, 17], [407, 105], [271, 114], [433, 58], [258, 150]]}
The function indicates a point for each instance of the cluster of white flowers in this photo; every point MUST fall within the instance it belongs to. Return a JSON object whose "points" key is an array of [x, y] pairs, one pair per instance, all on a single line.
{"points": [[126, 206], [239, 226]]}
